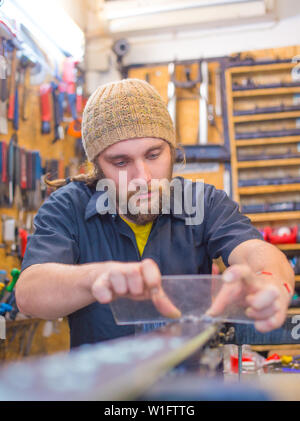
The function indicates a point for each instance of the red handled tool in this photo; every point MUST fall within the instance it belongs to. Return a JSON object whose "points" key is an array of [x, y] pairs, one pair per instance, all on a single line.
{"points": [[45, 93], [23, 235]]}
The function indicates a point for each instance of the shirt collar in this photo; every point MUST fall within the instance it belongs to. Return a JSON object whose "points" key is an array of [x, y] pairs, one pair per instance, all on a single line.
{"points": [[95, 207]]}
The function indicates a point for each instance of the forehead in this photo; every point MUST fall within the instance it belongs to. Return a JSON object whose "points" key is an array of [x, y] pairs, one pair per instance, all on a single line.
{"points": [[133, 146]]}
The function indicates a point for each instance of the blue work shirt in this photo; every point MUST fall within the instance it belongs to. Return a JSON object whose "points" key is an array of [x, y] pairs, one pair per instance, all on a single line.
{"points": [[69, 229]]}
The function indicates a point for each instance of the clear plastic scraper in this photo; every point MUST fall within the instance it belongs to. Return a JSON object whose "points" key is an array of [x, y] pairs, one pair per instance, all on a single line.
{"points": [[193, 295]]}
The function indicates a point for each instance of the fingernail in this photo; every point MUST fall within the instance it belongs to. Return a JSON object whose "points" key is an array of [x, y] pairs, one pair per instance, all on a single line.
{"points": [[228, 277], [105, 296], [176, 314], [248, 312], [154, 291]]}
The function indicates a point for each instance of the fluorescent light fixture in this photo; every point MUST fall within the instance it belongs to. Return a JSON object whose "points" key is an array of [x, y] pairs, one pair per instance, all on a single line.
{"points": [[115, 11]]}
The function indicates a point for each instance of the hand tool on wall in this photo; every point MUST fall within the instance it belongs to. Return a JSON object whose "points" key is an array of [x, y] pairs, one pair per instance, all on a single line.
{"points": [[18, 203], [16, 106], [69, 87], [188, 83], [3, 90], [8, 234], [35, 53], [3, 282], [12, 89], [23, 170], [33, 180], [172, 92], [5, 308], [45, 94], [203, 105], [218, 93], [15, 273], [11, 168], [69, 81], [9, 299], [29, 179], [26, 64], [2, 185], [57, 107], [23, 235], [79, 99], [38, 172], [74, 129], [4, 177]]}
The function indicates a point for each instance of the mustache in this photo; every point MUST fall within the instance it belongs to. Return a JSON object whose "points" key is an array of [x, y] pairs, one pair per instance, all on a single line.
{"points": [[143, 191]]}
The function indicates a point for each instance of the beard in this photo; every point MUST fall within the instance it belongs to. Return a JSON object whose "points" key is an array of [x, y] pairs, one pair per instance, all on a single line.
{"points": [[144, 210], [147, 209]]}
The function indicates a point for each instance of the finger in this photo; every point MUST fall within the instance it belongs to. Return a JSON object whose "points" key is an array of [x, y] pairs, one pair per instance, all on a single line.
{"points": [[135, 280], [151, 274], [101, 289], [229, 293], [271, 323], [152, 278], [118, 282], [263, 298], [240, 273], [164, 305], [266, 313]]}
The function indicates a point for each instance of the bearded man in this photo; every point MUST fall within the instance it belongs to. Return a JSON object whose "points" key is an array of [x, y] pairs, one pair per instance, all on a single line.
{"points": [[86, 251]]}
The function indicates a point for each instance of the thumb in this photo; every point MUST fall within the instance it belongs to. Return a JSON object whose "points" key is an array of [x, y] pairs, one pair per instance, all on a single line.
{"points": [[241, 273]]}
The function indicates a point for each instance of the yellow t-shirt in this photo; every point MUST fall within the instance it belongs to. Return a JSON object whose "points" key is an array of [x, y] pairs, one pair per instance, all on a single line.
{"points": [[141, 233]]}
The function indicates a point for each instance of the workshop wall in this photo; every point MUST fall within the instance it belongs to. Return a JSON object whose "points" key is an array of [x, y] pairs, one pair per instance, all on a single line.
{"points": [[30, 137]]}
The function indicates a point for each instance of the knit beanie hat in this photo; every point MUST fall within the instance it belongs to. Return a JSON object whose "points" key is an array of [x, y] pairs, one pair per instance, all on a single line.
{"points": [[127, 109]]}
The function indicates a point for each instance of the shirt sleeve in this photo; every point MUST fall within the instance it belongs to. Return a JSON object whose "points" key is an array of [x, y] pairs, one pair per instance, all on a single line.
{"points": [[54, 237], [225, 226]]}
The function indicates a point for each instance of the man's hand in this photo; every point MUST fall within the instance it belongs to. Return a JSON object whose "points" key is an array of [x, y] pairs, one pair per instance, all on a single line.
{"points": [[138, 281], [265, 299]]}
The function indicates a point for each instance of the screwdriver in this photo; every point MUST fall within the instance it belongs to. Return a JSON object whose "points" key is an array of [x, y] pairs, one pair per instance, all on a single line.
{"points": [[15, 273]]}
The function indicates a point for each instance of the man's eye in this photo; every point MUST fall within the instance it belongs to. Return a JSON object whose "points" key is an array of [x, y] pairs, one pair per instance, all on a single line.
{"points": [[153, 155], [120, 164]]}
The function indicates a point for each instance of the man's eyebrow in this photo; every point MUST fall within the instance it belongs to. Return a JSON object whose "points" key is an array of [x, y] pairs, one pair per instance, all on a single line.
{"points": [[153, 148], [113, 157], [125, 156]]}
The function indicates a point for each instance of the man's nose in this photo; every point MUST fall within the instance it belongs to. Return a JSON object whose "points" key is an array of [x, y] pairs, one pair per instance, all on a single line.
{"points": [[142, 171]]}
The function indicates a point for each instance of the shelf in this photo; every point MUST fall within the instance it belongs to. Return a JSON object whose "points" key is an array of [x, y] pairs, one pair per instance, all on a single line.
{"points": [[267, 141], [263, 67], [289, 247], [273, 216], [292, 312], [297, 278], [266, 116], [268, 91], [282, 188], [269, 163]]}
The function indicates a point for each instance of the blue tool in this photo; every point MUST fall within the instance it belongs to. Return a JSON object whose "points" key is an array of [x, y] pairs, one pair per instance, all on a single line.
{"points": [[5, 308]]}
